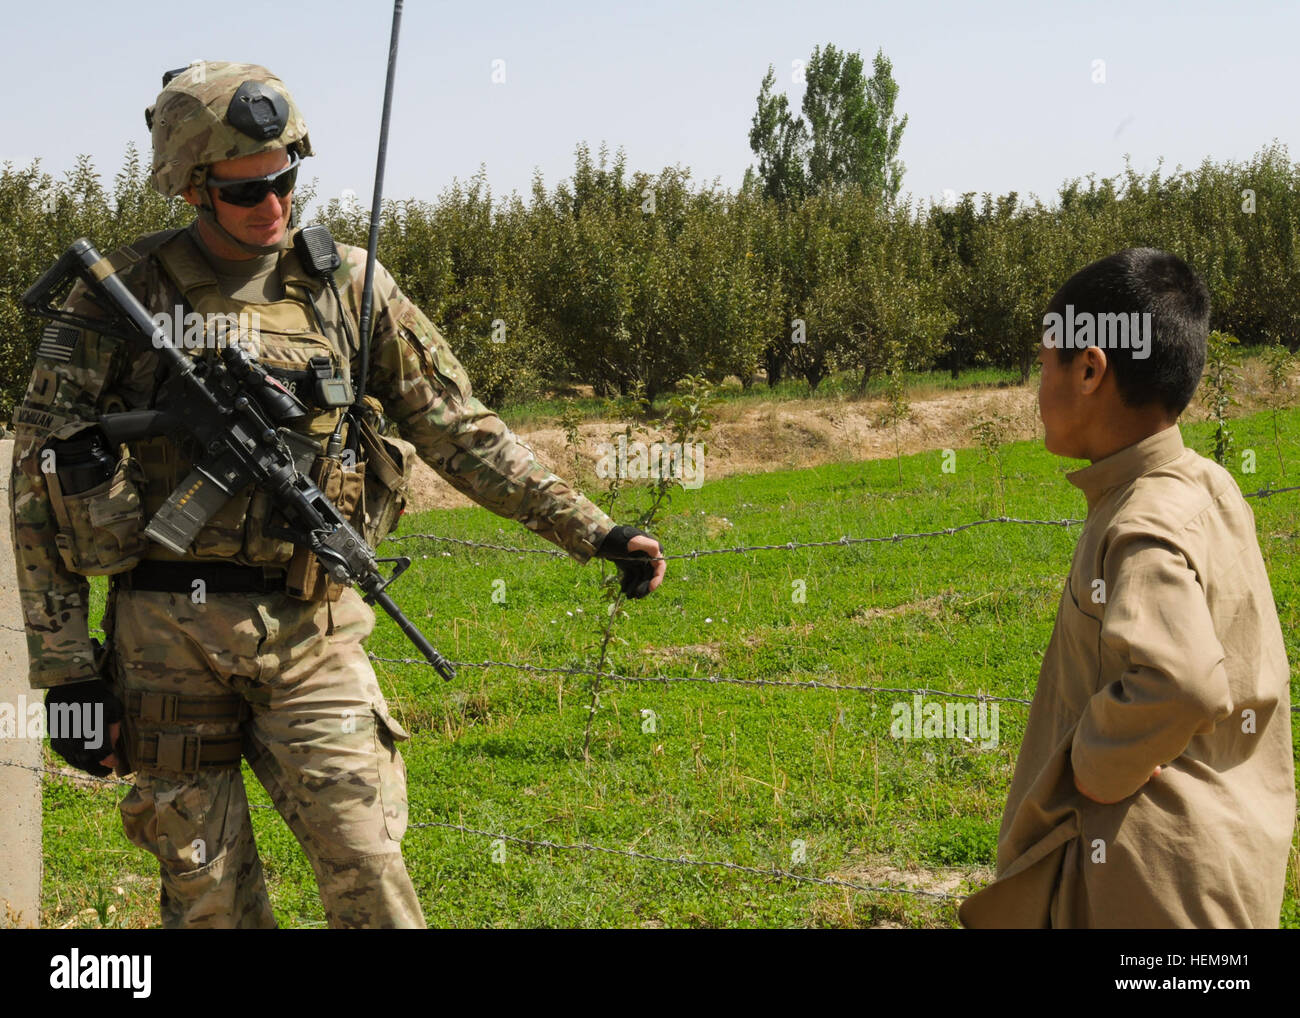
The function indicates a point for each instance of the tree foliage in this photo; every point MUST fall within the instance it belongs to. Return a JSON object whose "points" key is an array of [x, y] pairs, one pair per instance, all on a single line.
{"points": [[847, 136], [631, 280]]}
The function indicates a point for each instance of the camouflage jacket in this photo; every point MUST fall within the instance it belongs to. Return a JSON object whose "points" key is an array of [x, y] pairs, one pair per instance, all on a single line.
{"points": [[424, 391]]}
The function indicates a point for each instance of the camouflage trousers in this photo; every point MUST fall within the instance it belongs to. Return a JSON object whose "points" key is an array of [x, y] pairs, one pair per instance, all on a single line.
{"points": [[316, 732]]}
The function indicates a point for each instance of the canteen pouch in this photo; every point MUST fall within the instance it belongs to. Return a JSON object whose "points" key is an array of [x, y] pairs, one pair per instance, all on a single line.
{"points": [[100, 528], [388, 462]]}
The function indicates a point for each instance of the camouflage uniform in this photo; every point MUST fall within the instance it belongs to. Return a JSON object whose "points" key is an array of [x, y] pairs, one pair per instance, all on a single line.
{"points": [[289, 685]]}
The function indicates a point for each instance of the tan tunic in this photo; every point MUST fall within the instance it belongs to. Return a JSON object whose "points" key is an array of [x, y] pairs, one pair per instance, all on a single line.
{"points": [[1175, 658]]}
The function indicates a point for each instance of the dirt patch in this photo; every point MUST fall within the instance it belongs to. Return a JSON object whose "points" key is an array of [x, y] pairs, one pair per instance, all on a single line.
{"points": [[752, 437], [930, 607], [669, 655], [893, 911], [716, 526], [945, 880], [757, 436]]}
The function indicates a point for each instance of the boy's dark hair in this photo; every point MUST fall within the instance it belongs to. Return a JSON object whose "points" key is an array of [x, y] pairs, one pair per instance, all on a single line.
{"points": [[1146, 280]]}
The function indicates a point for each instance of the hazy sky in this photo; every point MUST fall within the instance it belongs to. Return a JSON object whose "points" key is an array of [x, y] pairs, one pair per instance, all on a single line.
{"points": [[999, 95]]}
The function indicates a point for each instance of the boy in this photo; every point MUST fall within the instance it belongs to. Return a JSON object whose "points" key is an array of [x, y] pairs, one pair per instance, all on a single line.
{"points": [[1155, 785]]}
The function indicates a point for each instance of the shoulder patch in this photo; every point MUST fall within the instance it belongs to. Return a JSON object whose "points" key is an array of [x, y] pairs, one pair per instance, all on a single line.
{"points": [[58, 342], [43, 387]]}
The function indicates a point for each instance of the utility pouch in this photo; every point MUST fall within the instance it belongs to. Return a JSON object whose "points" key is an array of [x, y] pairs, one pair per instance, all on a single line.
{"points": [[307, 579], [95, 495], [388, 462]]}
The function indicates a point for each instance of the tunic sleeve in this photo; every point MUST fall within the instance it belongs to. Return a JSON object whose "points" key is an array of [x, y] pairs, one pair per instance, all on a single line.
{"points": [[1163, 678]]}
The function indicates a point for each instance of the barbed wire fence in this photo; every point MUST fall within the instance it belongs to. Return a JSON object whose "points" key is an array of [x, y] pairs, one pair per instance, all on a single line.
{"points": [[715, 680], [695, 554], [1266, 492], [712, 679], [682, 861], [839, 542], [773, 872]]}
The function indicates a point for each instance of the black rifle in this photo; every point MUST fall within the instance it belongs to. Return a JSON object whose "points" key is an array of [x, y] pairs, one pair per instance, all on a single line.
{"points": [[237, 414]]}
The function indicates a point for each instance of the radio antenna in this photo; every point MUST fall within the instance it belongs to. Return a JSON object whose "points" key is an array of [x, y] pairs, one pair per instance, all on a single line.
{"points": [[368, 288]]}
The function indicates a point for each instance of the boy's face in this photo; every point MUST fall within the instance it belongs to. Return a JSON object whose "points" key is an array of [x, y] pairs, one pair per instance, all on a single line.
{"points": [[1084, 417], [1060, 402]]}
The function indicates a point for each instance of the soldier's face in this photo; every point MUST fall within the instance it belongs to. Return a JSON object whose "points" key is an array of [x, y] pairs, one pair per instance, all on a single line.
{"points": [[265, 222]]}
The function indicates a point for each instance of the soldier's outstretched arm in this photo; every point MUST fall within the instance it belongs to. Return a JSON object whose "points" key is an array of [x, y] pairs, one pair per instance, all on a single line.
{"points": [[426, 392]]}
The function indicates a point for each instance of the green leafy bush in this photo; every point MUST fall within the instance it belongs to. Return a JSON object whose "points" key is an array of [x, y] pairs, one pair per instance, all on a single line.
{"points": [[615, 278]]}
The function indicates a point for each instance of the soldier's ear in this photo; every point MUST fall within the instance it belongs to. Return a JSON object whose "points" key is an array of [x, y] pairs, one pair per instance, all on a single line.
{"points": [[198, 179]]}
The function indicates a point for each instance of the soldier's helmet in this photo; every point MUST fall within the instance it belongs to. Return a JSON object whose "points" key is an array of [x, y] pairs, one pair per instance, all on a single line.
{"points": [[214, 110]]}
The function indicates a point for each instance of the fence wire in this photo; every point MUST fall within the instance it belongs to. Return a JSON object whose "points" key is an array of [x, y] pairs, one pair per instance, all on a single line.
{"points": [[773, 872], [721, 680], [682, 860], [839, 542]]}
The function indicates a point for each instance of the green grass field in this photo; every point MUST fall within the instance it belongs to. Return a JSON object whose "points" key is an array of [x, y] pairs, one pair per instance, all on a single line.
{"points": [[730, 773]]}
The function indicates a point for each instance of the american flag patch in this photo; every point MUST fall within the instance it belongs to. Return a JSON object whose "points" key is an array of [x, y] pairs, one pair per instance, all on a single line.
{"points": [[58, 342]]}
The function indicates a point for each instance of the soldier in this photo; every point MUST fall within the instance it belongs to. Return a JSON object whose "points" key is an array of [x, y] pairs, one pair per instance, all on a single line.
{"points": [[241, 647]]}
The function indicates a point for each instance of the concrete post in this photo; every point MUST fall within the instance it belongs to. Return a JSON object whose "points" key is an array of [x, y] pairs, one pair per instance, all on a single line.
{"points": [[20, 787]]}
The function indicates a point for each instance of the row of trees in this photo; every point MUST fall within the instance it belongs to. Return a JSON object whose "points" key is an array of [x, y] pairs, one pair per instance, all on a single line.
{"points": [[614, 276]]}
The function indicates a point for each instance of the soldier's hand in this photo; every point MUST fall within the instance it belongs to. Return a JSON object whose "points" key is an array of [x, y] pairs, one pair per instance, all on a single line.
{"points": [[82, 720], [635, 553]]}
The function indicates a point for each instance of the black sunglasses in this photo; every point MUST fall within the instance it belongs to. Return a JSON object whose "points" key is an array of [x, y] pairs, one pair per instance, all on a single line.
{"points": [[248, 192]]}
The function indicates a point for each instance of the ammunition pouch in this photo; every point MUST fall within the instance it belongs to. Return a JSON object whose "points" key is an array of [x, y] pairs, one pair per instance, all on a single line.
{"points": [[160, 733], [372, 494], [95, 496]]}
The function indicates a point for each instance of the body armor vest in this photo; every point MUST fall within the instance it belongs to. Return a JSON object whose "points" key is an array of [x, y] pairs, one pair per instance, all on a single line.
{"points": [[288, 334], [301, 341]]}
